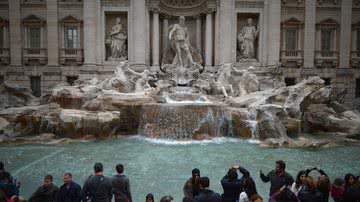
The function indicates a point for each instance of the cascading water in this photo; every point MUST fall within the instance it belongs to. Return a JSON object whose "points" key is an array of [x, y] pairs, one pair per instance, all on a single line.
{"points": [[185, 115]]}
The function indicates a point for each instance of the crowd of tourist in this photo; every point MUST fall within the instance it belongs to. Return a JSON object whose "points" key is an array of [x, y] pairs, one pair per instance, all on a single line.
{"points": [[283, 188]]}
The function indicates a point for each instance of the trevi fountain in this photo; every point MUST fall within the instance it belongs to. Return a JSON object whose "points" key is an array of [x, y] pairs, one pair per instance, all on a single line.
{"points": [[162, 123]]}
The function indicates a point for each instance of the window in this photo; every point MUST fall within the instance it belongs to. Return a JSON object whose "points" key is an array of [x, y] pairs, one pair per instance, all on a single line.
{"points": [[34, 37], [71, 79], [1, 79], [326, 39], [357, 89], [327, 81], [290, 81], [291, 39], [35, 84], [72, 37], [1, 37]]}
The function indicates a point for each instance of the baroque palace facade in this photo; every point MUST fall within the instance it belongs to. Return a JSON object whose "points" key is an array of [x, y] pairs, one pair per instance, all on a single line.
{"points": [[45, 42]]}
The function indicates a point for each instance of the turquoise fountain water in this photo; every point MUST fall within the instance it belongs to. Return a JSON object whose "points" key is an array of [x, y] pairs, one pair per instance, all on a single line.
{"points": [[162, 167]]}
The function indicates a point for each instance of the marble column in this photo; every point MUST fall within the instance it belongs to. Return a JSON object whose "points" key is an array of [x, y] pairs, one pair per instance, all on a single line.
{"points": [[310, 33], [15, 30], [155, 39], [139, 35], [90, 33], [52, 32], [345, 34], [198, 33], [274, 21], [209, 39], [165, 33], [225, 50]]}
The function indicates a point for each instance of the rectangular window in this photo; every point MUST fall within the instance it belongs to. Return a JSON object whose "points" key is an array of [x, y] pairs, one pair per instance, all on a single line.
{"points": [[35, 84], [72, 38], [327, 81], [290, 81], [71, 79], [357, 88], [358, 40], [34, 37], [291, 39], [327, 39], [1, 37], [1, 79]]}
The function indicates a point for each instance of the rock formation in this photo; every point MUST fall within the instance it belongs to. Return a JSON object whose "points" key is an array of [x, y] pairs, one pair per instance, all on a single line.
{"points": [[151, 104]]}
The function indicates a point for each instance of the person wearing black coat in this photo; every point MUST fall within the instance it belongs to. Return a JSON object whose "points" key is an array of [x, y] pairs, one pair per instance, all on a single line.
{"points": [[310, 193], [322, 186], [121, 185], [207, 195], [277, 177], [97, 187], [45, 193], [69, 191], [351, 192], [233, 186]]}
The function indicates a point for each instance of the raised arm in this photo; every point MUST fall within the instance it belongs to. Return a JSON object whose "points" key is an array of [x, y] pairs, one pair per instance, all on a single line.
{"points": [[245, 172], [265, 178]]}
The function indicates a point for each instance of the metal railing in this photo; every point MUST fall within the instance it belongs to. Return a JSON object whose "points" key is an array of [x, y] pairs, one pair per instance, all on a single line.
{"points": [[292, 53], [327, 54], [71, 54]]}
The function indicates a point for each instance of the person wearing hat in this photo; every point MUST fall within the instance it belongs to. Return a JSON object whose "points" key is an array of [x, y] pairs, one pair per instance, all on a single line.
{"points": [[192, 185]]}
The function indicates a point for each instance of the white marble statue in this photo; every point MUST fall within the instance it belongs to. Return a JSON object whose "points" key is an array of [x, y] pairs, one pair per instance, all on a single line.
{"points": [[117, 41], [246, 40], [179, 38]]}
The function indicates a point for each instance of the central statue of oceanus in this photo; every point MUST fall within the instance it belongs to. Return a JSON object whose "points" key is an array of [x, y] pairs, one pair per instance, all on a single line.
{"points": [[181, 60]]}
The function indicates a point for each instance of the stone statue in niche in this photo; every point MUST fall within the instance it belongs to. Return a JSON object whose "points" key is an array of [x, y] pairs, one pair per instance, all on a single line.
{"points": [[181, 64], [181, 53], [246, 40], [117, 41], [179, 37]]}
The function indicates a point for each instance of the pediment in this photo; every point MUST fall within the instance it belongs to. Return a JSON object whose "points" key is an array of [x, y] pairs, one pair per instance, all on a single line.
{"points": [[292, 21], [33, 18], [329, 21], [70, 18]]}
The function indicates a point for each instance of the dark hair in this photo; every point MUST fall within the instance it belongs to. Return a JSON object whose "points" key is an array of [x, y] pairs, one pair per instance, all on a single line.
{"points": [[166, 199], [2, 166], [204, 182], [347, 178], [48, 177], [324, 184], [195, 171], [281, 163], [149, 196], [298, 181], [249, 187], [311, 184], [119, 168], [68, 174], [287, 196], [255, 197], [339, 182], [98, 167], [232, 174], [4, 175]]}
